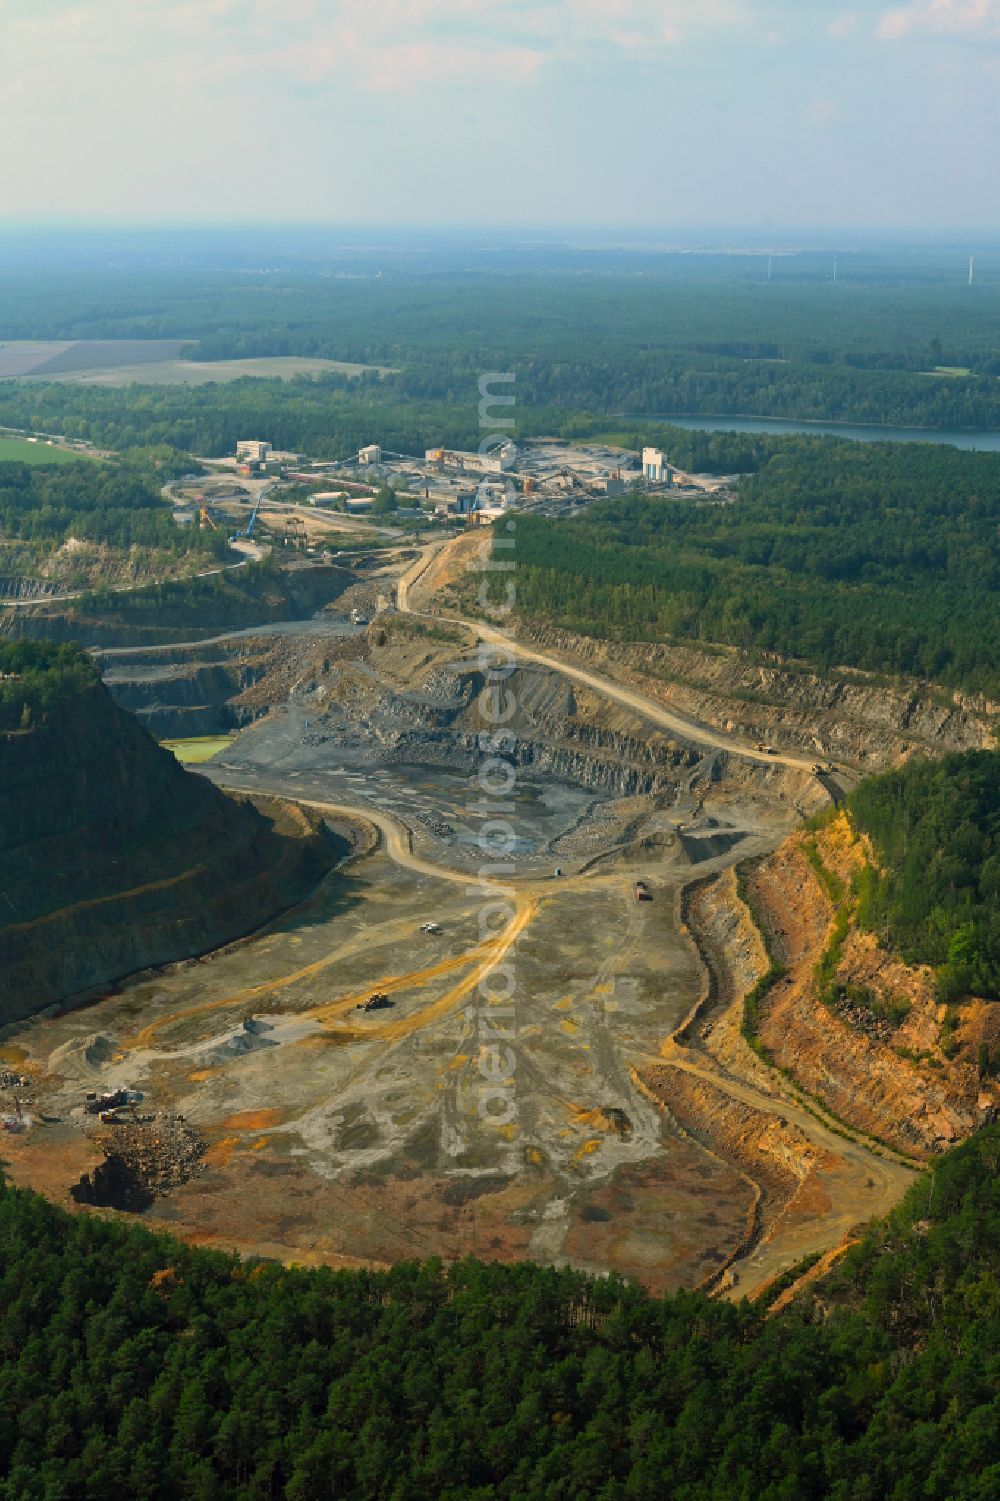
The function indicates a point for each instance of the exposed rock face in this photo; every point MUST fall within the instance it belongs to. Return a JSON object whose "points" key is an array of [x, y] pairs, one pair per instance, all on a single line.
{"points": [[16, 586], [407, 694], [851, 716], [184, 613], [435, 723], [896, 1083], [773, 1151], [179, 695], [113, 858]]}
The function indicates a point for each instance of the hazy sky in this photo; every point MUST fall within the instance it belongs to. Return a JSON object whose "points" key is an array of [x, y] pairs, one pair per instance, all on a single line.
{"points": [[604, 112]]}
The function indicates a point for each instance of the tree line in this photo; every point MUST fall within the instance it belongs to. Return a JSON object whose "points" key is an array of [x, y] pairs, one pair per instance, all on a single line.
{"points": [[609, 333], [118, 504], [35, 675], [131, 1364], [879, 556], [934, 893]]}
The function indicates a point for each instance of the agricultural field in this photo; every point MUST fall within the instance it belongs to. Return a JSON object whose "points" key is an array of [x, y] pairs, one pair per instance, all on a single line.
{"points": [[196, 373], [55, 358], [20, 451], [149, 362]]}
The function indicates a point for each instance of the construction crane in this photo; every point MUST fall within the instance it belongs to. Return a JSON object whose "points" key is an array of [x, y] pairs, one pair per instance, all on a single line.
{"points": [[204, 518], [253, 515], [247, 531]]}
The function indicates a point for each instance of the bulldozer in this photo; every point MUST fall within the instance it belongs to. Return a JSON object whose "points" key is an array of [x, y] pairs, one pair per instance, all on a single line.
{"points": [[379, 1001]]}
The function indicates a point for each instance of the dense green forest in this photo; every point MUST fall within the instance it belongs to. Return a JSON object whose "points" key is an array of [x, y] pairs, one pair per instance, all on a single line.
{"points": [[34, 675], [897, 340], [133, 1365], [118, 504], [328, 417], [935, 895], [879, 556]]}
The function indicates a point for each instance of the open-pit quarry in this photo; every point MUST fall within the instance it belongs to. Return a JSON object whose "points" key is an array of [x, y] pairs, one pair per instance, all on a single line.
{"points": [[351, 1085]]}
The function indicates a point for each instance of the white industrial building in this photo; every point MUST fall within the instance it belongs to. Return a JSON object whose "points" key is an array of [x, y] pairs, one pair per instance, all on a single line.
{"points": [[655, 467], [253, 451], [371, 454], [497, 460]]}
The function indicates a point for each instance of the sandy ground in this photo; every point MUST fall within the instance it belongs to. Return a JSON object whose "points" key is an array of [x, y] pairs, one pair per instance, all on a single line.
{"points": [[447, 1123], [502, 1104]]}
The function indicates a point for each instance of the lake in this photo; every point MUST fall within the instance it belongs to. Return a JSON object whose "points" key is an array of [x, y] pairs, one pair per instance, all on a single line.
{"points": [[987, 442]]}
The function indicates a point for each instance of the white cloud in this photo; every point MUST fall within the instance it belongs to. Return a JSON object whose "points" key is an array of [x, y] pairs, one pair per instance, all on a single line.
{"points": [[960, 18], [395, 44], [845, 24], [383, 45]]}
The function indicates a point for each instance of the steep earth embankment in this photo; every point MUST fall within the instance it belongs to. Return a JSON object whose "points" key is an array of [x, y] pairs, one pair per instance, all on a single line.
{"points": [[188, 610], [881, 1050], [856, 1068], [849, 717], [408, 693], [113, 858], [846, 1021], [811, 1184], [188, 690]]}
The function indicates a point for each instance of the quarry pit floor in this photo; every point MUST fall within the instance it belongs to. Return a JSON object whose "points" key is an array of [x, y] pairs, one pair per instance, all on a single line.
{"points": [[489, 1110], [497, 1107]]}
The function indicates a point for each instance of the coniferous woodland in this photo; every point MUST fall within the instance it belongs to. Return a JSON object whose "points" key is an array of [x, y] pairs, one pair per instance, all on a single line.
{"points": [[133, 1365], [876, 556], [935, 892], [896, 341], [117, 504], [34, 675]]}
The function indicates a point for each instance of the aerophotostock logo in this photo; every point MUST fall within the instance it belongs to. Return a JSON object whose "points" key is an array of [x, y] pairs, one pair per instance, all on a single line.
{"points": [[494, 1015]]}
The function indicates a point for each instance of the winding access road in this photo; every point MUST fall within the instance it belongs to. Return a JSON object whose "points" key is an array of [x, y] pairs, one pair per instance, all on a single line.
{"points": [[639, 703]]}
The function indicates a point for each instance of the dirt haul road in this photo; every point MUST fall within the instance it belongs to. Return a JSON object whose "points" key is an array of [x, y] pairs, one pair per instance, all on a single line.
{"points": [[655, 713], [872, 1182], [486, 956], [880, 1179], [885, 1178], [399, 849]]}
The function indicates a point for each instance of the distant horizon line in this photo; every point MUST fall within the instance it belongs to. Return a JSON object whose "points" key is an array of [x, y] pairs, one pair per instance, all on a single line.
{"points": [[718, 237]]}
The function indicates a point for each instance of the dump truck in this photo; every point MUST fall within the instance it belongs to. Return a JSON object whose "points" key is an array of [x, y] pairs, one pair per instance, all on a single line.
{"points": [[95, 1104]]}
